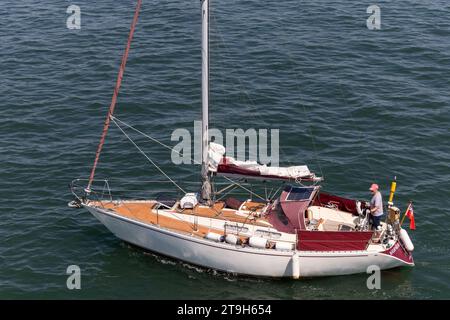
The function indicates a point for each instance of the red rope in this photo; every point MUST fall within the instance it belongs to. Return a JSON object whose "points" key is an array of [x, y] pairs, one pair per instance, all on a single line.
{"points": [[116, 92]]}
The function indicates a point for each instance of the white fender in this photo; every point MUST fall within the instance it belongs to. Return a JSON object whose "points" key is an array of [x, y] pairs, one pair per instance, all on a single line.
{"points": [[406, 240], [232, 239], [284, 246], [295, 266], [257, 242], [214, 236]]}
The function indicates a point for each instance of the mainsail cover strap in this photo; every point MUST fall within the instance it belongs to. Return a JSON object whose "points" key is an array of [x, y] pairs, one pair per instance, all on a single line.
{"points": [[116, 92]]}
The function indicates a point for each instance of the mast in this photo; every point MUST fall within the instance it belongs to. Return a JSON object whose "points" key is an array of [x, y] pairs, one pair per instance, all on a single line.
{"points": [[206, 184]]}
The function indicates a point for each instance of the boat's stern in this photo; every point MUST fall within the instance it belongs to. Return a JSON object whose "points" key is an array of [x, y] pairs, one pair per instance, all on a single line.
{"points": [[400, 252]]}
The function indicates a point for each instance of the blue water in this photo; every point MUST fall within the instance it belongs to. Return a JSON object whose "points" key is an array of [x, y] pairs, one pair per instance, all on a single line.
{"points": [[357, 105]]}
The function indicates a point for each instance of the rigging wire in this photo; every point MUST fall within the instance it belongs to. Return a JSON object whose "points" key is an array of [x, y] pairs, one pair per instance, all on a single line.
{"points": [[306, 115], [143, 153], [173, 150], [361, 137], [241, 87], [149, 137]]}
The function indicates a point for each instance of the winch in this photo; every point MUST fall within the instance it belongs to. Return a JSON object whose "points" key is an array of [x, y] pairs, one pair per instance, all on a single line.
{"points": [[393, 217]]}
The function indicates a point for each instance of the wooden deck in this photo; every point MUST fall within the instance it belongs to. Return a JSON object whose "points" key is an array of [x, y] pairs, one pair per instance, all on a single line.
{"points": [[217, 211], [145, 211]]}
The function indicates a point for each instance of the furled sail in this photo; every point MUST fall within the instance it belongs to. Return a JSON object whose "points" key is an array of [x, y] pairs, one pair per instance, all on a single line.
{"points": [[228, 166]]}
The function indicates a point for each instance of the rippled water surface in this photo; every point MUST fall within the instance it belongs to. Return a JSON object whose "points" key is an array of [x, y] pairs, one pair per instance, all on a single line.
{"points": [[356, 105]]}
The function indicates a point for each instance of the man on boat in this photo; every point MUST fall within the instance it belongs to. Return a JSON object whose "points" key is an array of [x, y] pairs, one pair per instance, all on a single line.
{"points": [[376, 206]]}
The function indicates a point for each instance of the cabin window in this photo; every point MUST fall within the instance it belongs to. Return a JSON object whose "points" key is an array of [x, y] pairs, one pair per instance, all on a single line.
{"points": [[264, 233], [299, 193], [280, 214], [235, 229]]}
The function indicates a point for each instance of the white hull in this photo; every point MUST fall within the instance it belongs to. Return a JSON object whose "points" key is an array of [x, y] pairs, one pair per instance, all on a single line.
{"points": [[242, 260]]}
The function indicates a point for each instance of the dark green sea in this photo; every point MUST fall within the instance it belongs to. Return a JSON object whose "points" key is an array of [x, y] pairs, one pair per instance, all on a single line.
{"points": [[357, 105]]}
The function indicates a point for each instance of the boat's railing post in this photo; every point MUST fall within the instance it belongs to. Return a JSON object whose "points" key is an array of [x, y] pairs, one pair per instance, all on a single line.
{"points": [[196, 223], [109, 190], [103, 190], [157, 214]]}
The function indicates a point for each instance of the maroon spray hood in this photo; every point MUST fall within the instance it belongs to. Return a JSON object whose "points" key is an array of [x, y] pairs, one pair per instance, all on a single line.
{"points": [[289, 213], [295, 201]]}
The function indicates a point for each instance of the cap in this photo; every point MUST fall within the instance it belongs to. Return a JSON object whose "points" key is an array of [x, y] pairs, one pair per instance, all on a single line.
{"points": [[373, 187]]}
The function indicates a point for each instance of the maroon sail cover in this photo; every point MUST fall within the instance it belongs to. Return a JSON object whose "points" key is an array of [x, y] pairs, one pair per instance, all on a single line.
{"points": [[227, 167], [333, 240]]}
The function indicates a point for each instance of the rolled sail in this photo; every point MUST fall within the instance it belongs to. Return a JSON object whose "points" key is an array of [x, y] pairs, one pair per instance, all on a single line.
{"points": [[228, 166]]}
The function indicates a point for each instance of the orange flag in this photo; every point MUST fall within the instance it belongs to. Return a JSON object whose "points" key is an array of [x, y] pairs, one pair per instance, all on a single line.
{"points": [[410, 215]]}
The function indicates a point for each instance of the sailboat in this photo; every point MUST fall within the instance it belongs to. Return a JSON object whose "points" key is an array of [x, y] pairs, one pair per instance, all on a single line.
{"points": [[301, 232]]}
